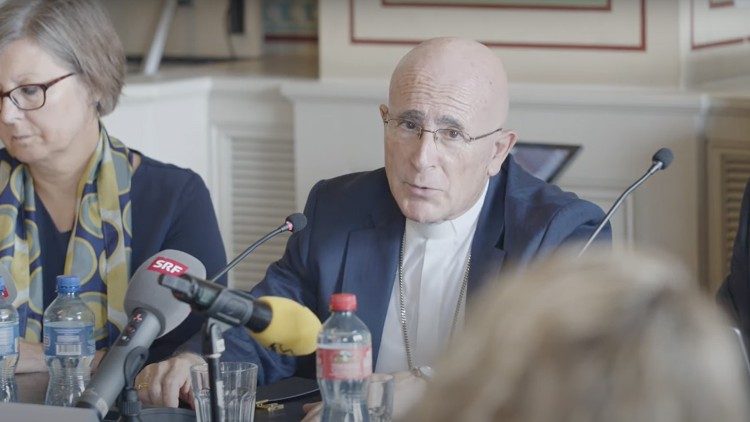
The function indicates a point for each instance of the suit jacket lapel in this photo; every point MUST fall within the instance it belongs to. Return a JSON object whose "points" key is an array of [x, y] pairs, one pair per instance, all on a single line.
{"points": [[371, 258], [487, 253], [370, 267]]}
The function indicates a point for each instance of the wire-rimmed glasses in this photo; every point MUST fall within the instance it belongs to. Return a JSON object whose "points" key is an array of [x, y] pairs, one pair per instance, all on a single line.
{"points": [[407, 130]]}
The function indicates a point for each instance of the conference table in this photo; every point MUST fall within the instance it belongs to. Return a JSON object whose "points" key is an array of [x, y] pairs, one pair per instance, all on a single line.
{"points": [[32, 389]]}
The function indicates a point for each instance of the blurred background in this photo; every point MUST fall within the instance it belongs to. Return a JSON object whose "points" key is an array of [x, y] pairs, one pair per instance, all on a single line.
{"points": [[264, 98]]}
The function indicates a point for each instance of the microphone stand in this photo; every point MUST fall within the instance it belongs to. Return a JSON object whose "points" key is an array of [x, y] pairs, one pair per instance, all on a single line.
{"points": [[130, 405], [213, 346], [281, 229], [656, 166]]}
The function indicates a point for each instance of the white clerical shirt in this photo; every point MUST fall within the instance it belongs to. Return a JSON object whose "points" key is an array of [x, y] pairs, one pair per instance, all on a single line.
{"points": [[435, 257]]}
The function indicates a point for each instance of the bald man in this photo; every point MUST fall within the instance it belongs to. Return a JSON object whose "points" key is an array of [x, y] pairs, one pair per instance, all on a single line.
{"points": [[450, 209]]}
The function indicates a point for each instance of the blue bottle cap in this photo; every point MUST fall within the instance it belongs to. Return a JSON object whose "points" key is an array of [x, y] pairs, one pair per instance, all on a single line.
{"points": [[68, 284]]}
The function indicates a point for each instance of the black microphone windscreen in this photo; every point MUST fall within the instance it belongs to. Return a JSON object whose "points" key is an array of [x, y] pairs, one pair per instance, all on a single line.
{"points": [[144, 290], [664, 155], [298, 221]]}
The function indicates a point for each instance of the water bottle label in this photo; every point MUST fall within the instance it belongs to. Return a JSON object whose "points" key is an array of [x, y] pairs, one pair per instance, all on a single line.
{"points": [[69, 341], [344, 363], [9, 340]]}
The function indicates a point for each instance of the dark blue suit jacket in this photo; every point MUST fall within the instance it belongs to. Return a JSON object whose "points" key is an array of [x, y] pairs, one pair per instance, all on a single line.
{"points": [[351, 244]]}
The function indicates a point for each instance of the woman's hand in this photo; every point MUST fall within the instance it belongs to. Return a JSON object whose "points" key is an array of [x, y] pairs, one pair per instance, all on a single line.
{"points": [[30, 357], [166, 382]]}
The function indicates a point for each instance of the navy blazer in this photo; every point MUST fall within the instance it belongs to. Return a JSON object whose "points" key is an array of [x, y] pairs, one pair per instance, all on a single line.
{"points": [[351, 244]]}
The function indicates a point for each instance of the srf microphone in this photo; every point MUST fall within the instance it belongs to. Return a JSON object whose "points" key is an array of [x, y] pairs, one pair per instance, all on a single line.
{"points": [[278, 323], [10, 292], [293, 223], [660, 161], [153, 312]]}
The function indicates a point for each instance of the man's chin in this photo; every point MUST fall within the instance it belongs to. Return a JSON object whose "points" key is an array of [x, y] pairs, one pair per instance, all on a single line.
{"points": [[423, 215]]}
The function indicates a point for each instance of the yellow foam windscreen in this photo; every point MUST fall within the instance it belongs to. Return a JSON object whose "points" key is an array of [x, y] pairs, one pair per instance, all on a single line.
{"points": [[293, 329]]}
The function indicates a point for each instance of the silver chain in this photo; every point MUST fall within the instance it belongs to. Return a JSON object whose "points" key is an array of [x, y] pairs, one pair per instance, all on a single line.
{"points": [[402, 307]]}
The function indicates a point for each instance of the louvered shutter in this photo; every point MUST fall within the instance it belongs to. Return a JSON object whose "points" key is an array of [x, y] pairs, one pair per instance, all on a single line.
{"points": [[262, 195], [735, 172], [729, 172]]}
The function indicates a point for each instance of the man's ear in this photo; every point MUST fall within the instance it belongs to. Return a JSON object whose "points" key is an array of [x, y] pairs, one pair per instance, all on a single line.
{"points": [[383, 111], [500, 149]]}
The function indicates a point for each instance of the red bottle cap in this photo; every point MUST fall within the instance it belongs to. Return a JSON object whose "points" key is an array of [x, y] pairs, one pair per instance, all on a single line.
{"points": [[343, 302]]}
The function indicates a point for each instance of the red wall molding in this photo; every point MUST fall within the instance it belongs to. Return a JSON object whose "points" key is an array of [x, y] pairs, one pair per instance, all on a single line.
{"points": [[638, 46], [718, 43], [724, 3], [519, 5]]}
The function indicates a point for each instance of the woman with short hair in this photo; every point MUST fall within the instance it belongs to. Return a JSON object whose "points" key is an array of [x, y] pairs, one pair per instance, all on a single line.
{"points": [[74, 199]]}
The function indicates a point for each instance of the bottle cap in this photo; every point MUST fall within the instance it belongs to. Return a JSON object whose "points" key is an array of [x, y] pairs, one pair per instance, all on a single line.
{"points": [[343, 302], [68, 284]]}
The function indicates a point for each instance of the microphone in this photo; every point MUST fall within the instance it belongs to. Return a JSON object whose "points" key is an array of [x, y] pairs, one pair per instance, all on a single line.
{"points": [[278, 323], [293, 223], [10, 292], [660, 161], [153, 312]]}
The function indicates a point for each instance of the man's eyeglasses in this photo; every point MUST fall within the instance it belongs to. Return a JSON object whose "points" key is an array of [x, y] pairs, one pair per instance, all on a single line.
{"points": [[30, 96], [407, 130]]}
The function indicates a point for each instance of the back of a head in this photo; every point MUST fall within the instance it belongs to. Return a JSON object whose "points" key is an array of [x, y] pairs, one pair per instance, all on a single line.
{"points": [[599, 338], [79, 34]]}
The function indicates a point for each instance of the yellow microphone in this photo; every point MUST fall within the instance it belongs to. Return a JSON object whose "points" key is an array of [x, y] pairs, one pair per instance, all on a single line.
{"points": [[278, 323], [293, 329]]}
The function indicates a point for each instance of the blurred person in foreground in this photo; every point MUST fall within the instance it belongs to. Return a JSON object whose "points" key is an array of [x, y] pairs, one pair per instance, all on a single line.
{"points": [[74, 199], [602, 338]]}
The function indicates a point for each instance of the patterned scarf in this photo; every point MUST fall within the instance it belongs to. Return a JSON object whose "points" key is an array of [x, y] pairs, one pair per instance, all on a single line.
{"points": [[99, 248]]}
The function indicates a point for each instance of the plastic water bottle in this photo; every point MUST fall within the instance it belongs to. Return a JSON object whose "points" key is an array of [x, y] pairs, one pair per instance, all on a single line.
{"points": [[68, 343], [344, 362], [8, 346]]}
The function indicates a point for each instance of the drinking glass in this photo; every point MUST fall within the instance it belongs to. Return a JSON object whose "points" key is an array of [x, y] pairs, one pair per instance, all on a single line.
{"points": [[239, 380], [380, 397]]}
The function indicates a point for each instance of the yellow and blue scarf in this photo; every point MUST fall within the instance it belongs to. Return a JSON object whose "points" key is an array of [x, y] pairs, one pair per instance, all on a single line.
{"points": [[99, 248]]}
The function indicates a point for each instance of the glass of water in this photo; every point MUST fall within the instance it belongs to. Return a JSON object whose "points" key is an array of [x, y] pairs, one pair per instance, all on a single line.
{"points": [[239, 380], [380, 398]]}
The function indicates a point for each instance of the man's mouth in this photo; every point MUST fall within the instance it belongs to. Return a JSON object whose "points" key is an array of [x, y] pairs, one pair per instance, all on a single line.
{"points": [[420, 189]]}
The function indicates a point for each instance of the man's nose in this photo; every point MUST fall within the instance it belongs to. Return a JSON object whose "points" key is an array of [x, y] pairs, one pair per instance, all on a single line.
{"points": [[426, 152]]}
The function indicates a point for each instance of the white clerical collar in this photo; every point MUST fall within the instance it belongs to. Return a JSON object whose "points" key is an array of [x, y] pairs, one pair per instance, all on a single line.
{"points": [[459, 227]]}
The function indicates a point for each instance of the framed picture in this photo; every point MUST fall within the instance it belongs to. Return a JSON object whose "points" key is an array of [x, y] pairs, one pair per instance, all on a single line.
{"points": [[545, 161]]}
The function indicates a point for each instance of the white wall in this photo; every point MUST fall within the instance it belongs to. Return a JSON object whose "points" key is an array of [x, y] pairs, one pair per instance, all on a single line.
{"points": [[670, 43], [716, 41], [198, 30]]}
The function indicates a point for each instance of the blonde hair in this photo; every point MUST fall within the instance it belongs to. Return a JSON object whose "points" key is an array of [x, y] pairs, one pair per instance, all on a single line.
{"points": [[76, 32], [624, 338]]}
